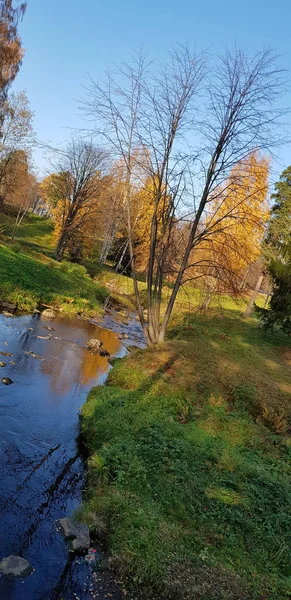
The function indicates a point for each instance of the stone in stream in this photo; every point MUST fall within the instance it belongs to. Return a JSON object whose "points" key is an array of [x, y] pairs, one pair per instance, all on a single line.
{"points": [[77, 535], [34, 355], [48, 313], [6, 380], [15, 566], [6, 313], [104, 353], [9, 306], [94, 345], [2, 364]]}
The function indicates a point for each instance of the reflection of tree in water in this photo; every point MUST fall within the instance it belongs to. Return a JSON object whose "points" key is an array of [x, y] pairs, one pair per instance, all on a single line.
{"points": [[68, 363]]}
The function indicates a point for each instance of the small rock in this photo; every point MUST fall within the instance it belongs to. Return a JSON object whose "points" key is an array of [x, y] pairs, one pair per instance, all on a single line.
{"points": [[6, 354], [12, 362], [44, 337], [2, 364], [9, 306], [94, 345], [36, 311], [34, 355], [48, 328], [48, 313], [104, 353], [6, 313], [92, 555], [77, 535], [6, 380], [15, 566]]}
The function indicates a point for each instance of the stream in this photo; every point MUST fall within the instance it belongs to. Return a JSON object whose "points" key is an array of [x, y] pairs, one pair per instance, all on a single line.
{"points": [[41, 469]]}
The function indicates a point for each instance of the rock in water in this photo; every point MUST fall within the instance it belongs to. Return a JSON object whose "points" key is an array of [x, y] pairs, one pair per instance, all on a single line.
{"points": [[104, 353], [34, 355], [2, 364], [9, 306], [77, 535], [48, 313], [15, 566], [94, 345], [6, 380]]}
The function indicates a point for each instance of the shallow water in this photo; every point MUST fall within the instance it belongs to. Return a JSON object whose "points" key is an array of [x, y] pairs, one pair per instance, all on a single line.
{"points": [[41, 471]]}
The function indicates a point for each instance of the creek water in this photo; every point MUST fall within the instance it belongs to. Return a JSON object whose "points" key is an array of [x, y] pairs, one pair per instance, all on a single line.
{"points": [[41, 469]]}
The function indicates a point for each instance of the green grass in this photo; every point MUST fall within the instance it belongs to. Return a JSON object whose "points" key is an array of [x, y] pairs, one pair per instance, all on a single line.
{"points": [[29, 276], [28, 282], [34, 233], [189, 462], [188, 299], [189, 443]]}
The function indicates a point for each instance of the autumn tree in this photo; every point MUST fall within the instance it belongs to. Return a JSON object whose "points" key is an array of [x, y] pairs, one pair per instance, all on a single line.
{"points": [[158, 108], [142, 202], [238, 212], [11, 52], [17, 137], [73, 190], [113, 214]]}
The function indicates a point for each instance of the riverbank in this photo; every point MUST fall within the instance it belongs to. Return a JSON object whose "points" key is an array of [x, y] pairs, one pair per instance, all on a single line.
{"points": [[189, 467], [42, 469], [29, 276]]}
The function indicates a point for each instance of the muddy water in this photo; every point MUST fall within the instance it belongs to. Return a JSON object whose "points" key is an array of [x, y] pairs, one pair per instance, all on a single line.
{"points": [[41, 471]]}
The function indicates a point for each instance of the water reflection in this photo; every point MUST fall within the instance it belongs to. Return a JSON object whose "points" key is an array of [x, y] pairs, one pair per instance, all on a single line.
{"points": [[41, 473], [67, 361]]}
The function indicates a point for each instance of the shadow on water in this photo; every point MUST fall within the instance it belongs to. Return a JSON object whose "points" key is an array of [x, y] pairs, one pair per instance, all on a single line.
{"points": [[41, 471]]}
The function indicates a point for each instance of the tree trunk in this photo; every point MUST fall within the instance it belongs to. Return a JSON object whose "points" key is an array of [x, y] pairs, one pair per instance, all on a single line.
{"points": [[268, 296], [20, 216], [121, 258], [61, 246], [253, 296], [244, 279]]}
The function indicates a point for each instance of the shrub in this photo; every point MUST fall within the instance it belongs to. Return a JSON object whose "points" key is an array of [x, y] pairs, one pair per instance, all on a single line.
{"points": [[16, 247]]}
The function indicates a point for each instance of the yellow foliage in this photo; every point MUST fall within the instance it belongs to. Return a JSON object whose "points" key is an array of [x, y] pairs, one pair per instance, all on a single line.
{"points": [[234, 225]]}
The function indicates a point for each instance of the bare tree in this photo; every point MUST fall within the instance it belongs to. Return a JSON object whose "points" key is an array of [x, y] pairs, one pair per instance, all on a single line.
{"points": [[79, 168], [158, 113]]}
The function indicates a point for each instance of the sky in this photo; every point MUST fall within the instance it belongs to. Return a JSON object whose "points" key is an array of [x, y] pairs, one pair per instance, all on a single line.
{"points": [[66, 41]]}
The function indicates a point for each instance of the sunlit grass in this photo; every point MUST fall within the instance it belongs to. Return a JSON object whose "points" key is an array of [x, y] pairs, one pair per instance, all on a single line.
{"points": [[190, 467]]}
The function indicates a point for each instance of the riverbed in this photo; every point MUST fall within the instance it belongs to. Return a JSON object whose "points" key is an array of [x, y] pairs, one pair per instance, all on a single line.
{"points": [[41, 469]]}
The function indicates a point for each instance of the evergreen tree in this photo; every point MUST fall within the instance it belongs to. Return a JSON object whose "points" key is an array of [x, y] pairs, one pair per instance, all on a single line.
{"points": [[278, 256]]}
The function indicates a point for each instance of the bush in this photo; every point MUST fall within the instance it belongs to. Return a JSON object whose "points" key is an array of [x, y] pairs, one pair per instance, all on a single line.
{"points": [[16, 247]]}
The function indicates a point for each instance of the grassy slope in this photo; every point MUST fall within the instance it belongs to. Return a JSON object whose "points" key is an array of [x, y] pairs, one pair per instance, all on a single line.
{"points": [[190, 462], [189, 297], [29, 276]]}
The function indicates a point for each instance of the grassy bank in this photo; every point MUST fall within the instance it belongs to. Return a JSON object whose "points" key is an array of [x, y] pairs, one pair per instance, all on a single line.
{"points": [[189, 468], [29, 276]]}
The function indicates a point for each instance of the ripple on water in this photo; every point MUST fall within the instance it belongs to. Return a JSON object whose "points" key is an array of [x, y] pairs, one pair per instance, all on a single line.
{"points": [[41, 472]]}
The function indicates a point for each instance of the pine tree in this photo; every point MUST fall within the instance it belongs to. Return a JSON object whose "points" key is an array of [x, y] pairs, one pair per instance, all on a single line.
{"points": [[278, 256]]}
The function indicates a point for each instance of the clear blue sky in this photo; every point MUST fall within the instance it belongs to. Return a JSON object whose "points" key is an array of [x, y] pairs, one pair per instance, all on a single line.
{"points": [[65, 40]]}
